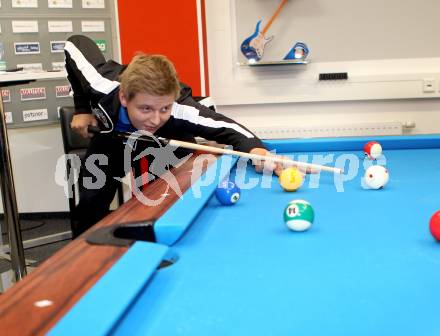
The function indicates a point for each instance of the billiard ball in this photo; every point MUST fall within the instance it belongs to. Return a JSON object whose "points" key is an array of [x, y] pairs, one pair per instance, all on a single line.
{"points": [[291, 179], [434, 225], [227, 193], [299, 215], [373, 150], [376, 177]]}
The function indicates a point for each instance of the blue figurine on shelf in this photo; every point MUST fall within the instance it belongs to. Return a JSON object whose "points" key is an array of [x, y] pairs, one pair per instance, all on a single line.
{"points": [[298, 52]]}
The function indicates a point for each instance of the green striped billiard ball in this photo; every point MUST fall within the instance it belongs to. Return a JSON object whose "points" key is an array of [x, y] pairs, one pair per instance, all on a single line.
{"points": [[298, 215]]}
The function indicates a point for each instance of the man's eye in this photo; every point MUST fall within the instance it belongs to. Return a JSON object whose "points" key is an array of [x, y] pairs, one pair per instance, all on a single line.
{"points": [[165, 109]]}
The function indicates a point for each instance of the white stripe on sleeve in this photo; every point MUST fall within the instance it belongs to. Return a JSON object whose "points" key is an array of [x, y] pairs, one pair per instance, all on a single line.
{"points": [[96, 80], [191, 114]]}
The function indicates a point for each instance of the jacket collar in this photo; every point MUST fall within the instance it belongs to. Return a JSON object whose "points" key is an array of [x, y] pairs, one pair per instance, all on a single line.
{"points": [[109, 110]]}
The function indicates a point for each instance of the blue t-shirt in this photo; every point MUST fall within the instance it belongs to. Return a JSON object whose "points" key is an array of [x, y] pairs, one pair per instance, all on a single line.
{"points": [[124, 124]]}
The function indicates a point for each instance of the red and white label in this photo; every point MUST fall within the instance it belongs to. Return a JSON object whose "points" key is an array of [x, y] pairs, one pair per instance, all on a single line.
{"points": [[33, 93], [62, 91], [6, 95]]}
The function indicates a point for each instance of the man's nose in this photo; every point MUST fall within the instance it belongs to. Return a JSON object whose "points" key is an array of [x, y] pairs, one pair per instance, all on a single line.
{"points": [[156, 118]]}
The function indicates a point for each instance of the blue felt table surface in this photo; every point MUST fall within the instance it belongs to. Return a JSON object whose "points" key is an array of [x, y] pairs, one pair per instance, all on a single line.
{"points": [[368, 265]]}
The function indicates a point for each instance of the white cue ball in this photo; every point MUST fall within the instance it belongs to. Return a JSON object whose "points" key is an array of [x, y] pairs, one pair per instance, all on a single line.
{"points": [[376, 177]]}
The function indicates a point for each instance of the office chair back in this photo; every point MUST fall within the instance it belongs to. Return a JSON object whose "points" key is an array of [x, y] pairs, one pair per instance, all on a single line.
{"points": [[72, 141], [76, 144]]}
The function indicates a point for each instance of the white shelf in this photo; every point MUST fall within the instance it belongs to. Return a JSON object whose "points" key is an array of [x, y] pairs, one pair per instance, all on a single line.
{"points": [[282, 62], [24, 75]]}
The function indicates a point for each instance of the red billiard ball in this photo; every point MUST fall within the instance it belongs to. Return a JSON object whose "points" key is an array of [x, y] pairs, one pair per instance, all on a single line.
{"points": [[434, 225], [373, 150]]}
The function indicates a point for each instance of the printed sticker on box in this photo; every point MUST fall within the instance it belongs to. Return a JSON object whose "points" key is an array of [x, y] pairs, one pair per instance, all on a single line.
{"points": [[62, 91], [57, 46], [24, 26], [32, 93], [26, 48], [24, 3], [60, 26], [33, 115], [92, 26], [60, 4], [93, 3], [8, 117], [58, 66], [31, 67], [6, 95]]}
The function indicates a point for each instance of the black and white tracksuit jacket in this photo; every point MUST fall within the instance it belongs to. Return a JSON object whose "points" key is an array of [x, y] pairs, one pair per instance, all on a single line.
{"points": [[95, 88]]}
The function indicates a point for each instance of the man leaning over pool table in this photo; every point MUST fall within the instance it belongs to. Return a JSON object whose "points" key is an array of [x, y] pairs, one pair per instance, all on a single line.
{"points": [[143, 95]]}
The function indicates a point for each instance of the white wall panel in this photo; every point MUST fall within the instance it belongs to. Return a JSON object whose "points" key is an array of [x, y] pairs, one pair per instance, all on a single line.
{"points": [[387, 78]]}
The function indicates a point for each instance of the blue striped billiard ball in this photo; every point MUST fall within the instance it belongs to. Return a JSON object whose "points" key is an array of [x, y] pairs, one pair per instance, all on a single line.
{"points": [[227, 193]]}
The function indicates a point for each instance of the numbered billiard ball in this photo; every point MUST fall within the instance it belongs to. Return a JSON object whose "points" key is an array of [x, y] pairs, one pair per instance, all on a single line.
{"points": [[299, 215], [373, 150], [291, 179], [376, 177], [434, 225], [227, 193]]}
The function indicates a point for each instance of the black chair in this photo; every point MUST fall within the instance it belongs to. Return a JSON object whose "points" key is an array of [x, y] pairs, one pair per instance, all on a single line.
{"points": [[75, 144]]}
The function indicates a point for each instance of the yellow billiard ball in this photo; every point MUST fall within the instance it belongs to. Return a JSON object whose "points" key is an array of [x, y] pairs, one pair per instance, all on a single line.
{"points": [[291, 179]]}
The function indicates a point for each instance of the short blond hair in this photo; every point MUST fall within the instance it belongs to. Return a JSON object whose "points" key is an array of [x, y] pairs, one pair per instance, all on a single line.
{"points": [[152, 74]]}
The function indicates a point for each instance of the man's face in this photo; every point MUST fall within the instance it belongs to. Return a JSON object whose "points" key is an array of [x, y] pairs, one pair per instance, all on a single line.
{"points": [[148, 112]]}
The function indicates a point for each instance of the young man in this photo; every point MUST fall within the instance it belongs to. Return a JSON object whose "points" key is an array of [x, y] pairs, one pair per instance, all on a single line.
{"points": [[145, 95]]}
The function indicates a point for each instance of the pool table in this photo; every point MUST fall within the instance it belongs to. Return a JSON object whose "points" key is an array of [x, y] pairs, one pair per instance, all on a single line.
{"points": [[367, 266]]}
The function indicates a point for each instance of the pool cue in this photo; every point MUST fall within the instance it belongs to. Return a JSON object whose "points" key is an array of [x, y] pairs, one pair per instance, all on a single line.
{"points": [[275, 159], [150, 138]]}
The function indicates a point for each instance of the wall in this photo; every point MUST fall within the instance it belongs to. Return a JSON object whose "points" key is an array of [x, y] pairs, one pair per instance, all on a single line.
{"points": [[163, 27], [345, 30], [377, 90], [424, 113], [35, 151]]}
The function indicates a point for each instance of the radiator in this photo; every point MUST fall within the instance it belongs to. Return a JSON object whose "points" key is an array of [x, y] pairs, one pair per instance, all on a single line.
{"points": [[337, 130]]}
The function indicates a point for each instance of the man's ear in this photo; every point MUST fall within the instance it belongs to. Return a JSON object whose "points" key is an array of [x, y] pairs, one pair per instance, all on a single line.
{"points": [[122, 98]]}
